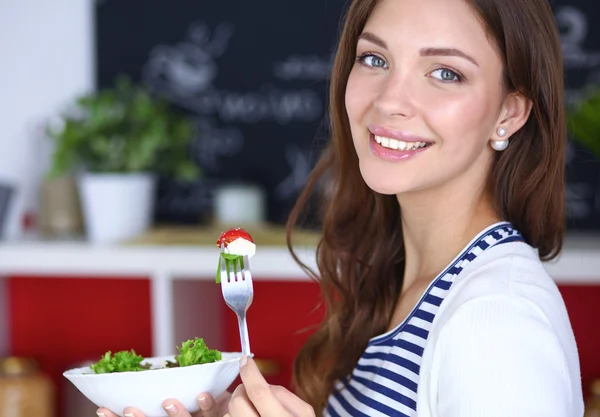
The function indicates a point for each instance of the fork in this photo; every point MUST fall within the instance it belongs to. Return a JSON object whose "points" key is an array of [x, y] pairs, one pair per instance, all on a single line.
{"points": [[238, 292]]}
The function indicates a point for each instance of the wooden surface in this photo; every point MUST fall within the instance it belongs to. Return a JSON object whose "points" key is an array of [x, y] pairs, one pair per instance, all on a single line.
{"points": [[263, 235]]}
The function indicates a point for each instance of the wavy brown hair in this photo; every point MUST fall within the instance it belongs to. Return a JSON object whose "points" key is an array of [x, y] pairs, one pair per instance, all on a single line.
{"points": [[360, 256]]}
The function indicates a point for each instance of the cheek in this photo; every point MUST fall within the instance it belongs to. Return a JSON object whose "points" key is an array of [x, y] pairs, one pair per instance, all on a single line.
{"points": [[460, 118], [358, 97]]}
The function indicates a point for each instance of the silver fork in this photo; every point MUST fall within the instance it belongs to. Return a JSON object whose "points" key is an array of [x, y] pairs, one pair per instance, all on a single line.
{"points": [[238, 292]]}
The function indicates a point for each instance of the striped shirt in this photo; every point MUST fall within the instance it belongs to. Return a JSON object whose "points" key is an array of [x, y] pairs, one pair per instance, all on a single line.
{"points": [[386, 378]]}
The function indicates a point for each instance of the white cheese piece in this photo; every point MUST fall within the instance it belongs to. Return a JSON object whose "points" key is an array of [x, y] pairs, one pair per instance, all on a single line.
{"points": [[241, 247]]}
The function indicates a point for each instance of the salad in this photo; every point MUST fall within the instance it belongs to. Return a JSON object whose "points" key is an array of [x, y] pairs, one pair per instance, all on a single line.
{"points": [[235, 244], [191, 352]]}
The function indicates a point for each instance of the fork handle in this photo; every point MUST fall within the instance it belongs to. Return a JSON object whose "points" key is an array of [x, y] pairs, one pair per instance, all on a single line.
{"points": [[244, 334]]}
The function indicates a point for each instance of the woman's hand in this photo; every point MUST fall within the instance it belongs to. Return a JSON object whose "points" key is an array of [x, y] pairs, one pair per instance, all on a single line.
{"points": [[256, 398], [208, 408]]}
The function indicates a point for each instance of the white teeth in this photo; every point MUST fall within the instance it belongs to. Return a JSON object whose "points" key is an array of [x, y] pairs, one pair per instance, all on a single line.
{"points": [[398, 144]]}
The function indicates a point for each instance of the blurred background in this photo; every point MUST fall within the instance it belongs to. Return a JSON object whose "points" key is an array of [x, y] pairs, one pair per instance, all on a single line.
{"points": [[134, 132]]}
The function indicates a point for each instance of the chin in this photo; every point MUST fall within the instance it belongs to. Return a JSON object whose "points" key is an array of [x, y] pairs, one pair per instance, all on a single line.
{"points": [[382, 184]]}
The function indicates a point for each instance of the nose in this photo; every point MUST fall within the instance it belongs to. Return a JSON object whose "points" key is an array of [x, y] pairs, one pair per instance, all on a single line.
{"points": [[396, 97]]}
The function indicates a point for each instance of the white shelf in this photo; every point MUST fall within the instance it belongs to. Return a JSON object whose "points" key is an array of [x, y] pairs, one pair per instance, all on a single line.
{"points": [[197, 262], [579, 263], [160, 264]]}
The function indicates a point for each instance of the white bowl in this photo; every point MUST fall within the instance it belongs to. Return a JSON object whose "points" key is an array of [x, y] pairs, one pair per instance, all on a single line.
{"points": [[147, 389]]}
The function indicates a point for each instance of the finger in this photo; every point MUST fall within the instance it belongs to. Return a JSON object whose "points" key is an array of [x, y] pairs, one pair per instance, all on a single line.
{"points": [[259, 391], [209, 407], [174, 408], [223, 403], [132, 412], [292, 402], [240, 405], [103, 412]]}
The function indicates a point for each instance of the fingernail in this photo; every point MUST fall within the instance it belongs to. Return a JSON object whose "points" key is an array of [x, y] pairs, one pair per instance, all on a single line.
{"points": [[128, 415], [203, 402], [171, 409], [243, 361], [100, 414]]}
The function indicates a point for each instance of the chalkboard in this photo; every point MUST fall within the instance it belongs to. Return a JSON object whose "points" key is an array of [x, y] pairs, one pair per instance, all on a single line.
{"points": [[579, 23], [253, 77]]}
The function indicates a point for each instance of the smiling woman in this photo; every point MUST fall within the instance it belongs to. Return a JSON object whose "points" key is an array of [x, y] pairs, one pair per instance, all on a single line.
{"points": [[435, 228], [447, 162]]}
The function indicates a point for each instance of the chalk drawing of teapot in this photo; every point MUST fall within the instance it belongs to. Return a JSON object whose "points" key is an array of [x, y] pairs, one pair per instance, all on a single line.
{"points": [[188, 68]]}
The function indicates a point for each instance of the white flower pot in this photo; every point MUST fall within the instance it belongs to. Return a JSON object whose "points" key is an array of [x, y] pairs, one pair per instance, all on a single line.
{"points": [[116, 207]]}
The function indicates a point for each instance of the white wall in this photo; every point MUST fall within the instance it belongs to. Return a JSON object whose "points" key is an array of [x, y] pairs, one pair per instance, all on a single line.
{"points": [[46, 53], [46, 59]]}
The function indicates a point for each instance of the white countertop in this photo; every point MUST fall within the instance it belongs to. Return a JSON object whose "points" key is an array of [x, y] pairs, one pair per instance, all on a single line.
{"points": [[578, 263]]}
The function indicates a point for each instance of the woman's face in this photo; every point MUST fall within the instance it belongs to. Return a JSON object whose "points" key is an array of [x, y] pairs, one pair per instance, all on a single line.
{"points": [[425, 97]]}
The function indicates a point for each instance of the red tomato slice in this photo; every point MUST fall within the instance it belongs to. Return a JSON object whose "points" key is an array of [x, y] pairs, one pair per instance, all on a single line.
{"points": [[232, 234]]}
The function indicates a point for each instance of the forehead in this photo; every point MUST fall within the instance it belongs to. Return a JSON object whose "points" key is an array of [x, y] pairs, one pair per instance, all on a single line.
{"points": [[431, 23]]}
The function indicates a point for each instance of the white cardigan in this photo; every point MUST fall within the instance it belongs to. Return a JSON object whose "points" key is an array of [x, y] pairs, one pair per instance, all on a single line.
{"points": [[501, 344]]}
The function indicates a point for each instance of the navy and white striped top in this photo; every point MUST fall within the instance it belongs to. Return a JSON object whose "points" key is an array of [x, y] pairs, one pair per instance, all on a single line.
{"points": [[385, 380]]}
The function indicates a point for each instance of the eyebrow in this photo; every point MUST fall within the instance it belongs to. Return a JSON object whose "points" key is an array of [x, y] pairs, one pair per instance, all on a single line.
{"points": [[369, 37]]}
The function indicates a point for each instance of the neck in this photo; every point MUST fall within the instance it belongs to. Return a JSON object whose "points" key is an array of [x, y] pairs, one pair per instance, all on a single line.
{"points": [[437, 225]]}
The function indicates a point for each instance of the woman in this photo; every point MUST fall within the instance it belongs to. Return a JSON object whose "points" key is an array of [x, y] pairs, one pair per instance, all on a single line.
{"points": [[447, 166]]}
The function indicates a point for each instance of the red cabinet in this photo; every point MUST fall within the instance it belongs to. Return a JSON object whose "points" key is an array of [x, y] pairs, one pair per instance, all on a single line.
{"points": [[62, 321]]}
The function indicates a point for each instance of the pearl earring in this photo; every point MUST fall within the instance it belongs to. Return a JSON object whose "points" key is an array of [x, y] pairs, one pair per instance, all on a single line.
{"points": [[500, 145]]}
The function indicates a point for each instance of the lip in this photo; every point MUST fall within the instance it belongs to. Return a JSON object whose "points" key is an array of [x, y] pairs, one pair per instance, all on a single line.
{"points": [[393, 155], [378, 130]]}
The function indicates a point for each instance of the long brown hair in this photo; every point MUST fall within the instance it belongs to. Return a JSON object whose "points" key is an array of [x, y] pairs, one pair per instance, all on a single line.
{"points": [[360, 256]]}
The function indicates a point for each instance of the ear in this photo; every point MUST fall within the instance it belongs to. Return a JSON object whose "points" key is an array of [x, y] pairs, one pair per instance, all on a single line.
{"points": [[513, 115]]}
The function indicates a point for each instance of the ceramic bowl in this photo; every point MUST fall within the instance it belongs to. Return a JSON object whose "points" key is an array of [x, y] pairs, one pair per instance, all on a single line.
{"points": [[147, 389]]}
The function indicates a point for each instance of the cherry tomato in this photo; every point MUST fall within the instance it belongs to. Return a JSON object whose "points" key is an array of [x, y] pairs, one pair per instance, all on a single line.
{"points": [[232, 234]]}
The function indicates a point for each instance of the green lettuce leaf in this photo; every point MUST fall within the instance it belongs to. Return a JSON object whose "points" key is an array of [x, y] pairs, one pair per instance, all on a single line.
{"points": [[195, 352], [124, 361], [229, 258]]}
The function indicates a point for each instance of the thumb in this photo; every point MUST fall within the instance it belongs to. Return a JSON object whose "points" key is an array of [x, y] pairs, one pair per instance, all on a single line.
{"points": [[250, 373], [259, 391]]}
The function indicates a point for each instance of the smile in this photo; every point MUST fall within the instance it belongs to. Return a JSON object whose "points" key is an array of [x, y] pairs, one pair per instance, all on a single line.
{"points": [[391, 143]]}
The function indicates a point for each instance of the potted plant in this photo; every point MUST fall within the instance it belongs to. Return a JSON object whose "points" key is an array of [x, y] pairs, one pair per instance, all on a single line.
{"points": [[116, 142], [584, 121]]}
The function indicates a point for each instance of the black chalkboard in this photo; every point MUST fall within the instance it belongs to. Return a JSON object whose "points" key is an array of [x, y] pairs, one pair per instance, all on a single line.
{"points": [[253, 76], [579, 23]]}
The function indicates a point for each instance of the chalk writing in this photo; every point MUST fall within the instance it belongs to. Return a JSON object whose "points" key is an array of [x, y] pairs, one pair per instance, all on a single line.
{"points": [[296, 67], [299, 162]]}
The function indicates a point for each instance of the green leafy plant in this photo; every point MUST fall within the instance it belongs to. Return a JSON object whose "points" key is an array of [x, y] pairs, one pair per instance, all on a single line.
{"points": [[192, 352], [124, 361], [123, 129], [584, 121]]}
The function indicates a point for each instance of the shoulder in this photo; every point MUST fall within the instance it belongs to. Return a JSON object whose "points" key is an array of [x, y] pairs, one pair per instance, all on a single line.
{"points": [[511, 270], [508, 289], [503, 331]]}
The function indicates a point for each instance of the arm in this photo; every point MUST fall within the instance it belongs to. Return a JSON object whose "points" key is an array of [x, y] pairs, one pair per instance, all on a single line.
{"points": [[499, 356]]}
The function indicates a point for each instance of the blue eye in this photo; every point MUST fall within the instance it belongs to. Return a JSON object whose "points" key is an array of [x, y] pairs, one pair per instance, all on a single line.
{"points": [[446, 75], [371, 61]]}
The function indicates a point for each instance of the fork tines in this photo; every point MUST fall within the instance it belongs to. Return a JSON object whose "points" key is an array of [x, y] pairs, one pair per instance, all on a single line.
{"points": [[235, 271]]}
